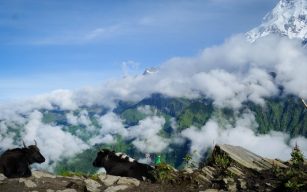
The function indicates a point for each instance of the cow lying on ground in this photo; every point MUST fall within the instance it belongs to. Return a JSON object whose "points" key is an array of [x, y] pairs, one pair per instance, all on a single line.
{"points": [[15, 162], [119, 164]]}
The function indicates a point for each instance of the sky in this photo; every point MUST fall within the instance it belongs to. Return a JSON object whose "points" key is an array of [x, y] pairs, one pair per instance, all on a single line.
{"points": [[83, 56], [55, 44]]}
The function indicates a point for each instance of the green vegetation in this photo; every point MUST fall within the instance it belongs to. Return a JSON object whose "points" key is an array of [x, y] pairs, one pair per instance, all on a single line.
{"points": [[167, 105], [188, 161], [284, 114], [297, 157], [221, 161], [79, 174], [293, 178], [81, 163], [196, 114], [164, 172], [132, 116]]}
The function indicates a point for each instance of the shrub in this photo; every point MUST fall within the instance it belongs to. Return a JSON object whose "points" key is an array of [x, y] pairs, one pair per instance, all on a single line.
{"points": [[188, 161], [297, 157], [222, 161], [164, 172]]}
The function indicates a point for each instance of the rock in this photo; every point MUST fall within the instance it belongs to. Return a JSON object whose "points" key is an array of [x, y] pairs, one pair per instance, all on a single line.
{"points": [[49, 190], [91, 185], [39, 174], [202, 179], [235, 171], [2, 177], [75, 177], [242, 183], [210, 190], [231, 184], [109, 180], [188, 170], [116, 188], [30, 184], [242, 157], [102, 176], [67, 190], [128, 181], [276, 163], [207, 171]]}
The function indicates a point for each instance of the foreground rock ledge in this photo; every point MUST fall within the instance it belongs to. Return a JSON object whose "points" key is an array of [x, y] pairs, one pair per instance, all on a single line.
{"points": [[46, 182], [230, 168]]}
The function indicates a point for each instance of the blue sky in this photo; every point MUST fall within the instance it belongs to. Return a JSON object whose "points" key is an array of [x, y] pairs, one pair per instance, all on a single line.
{"points": [[70, 44]]}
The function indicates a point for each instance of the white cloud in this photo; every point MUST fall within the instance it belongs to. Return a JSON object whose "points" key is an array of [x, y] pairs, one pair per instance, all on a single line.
{"points": [[230, 74], [130, 68], [53, 142], [272, 145], [110, 124], [146, 136], [82, 118]]}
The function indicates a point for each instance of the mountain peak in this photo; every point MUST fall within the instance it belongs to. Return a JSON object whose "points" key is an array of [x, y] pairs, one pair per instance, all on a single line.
{"points": [[150, 70], [288, 18]]}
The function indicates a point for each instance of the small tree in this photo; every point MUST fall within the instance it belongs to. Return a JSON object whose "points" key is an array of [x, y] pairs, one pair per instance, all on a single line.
{"points": [[297, 157]]}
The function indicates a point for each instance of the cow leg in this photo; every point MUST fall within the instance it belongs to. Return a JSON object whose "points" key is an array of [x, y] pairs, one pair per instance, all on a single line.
{"points": [[10, 172], [6, 172], [23, 170], [27, 172]]}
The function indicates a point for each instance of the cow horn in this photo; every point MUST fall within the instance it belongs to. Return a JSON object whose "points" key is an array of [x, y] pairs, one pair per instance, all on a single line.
{"points": [[35, 142], [24, 145]]}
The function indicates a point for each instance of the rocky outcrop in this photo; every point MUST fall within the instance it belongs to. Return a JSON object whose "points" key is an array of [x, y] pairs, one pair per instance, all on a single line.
{"points": [[241, 157]]}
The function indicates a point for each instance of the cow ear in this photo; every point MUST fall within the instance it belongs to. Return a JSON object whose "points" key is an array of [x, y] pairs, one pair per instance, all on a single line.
{"points": [[24, 145]]}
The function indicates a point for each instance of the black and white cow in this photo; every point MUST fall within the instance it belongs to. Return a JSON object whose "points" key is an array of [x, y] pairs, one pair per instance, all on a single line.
{"points": [[120, 164], [15, 162]]}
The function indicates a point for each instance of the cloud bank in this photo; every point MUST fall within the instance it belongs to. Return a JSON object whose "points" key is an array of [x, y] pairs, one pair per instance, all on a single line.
{"points": [[229, 74]]}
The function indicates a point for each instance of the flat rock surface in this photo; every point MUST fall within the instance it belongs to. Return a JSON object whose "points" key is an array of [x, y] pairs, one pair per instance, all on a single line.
{"points": [[243, 157]]}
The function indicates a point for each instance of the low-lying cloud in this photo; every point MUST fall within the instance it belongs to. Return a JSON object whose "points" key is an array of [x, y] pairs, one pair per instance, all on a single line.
{"points": [[272, 145]]}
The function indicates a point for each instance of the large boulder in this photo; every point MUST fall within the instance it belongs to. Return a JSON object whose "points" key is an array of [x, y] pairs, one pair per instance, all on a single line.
{"points": [[242, 158]]}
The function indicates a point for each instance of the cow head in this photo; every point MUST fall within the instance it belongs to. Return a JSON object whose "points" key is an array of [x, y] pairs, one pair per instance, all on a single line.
{"points": [[33, 153], [102, 157]]}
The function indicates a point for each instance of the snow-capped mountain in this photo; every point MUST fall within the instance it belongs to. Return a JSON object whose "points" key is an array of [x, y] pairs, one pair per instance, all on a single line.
{"points": [[288, 18], [150, 70]]}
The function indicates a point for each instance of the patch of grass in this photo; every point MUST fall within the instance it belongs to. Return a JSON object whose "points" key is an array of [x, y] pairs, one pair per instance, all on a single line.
{"points": [[79, 174]]}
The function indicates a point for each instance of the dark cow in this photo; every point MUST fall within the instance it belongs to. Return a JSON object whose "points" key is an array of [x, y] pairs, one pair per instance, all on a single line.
{"points": [[121, 165], [15, 162]]}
